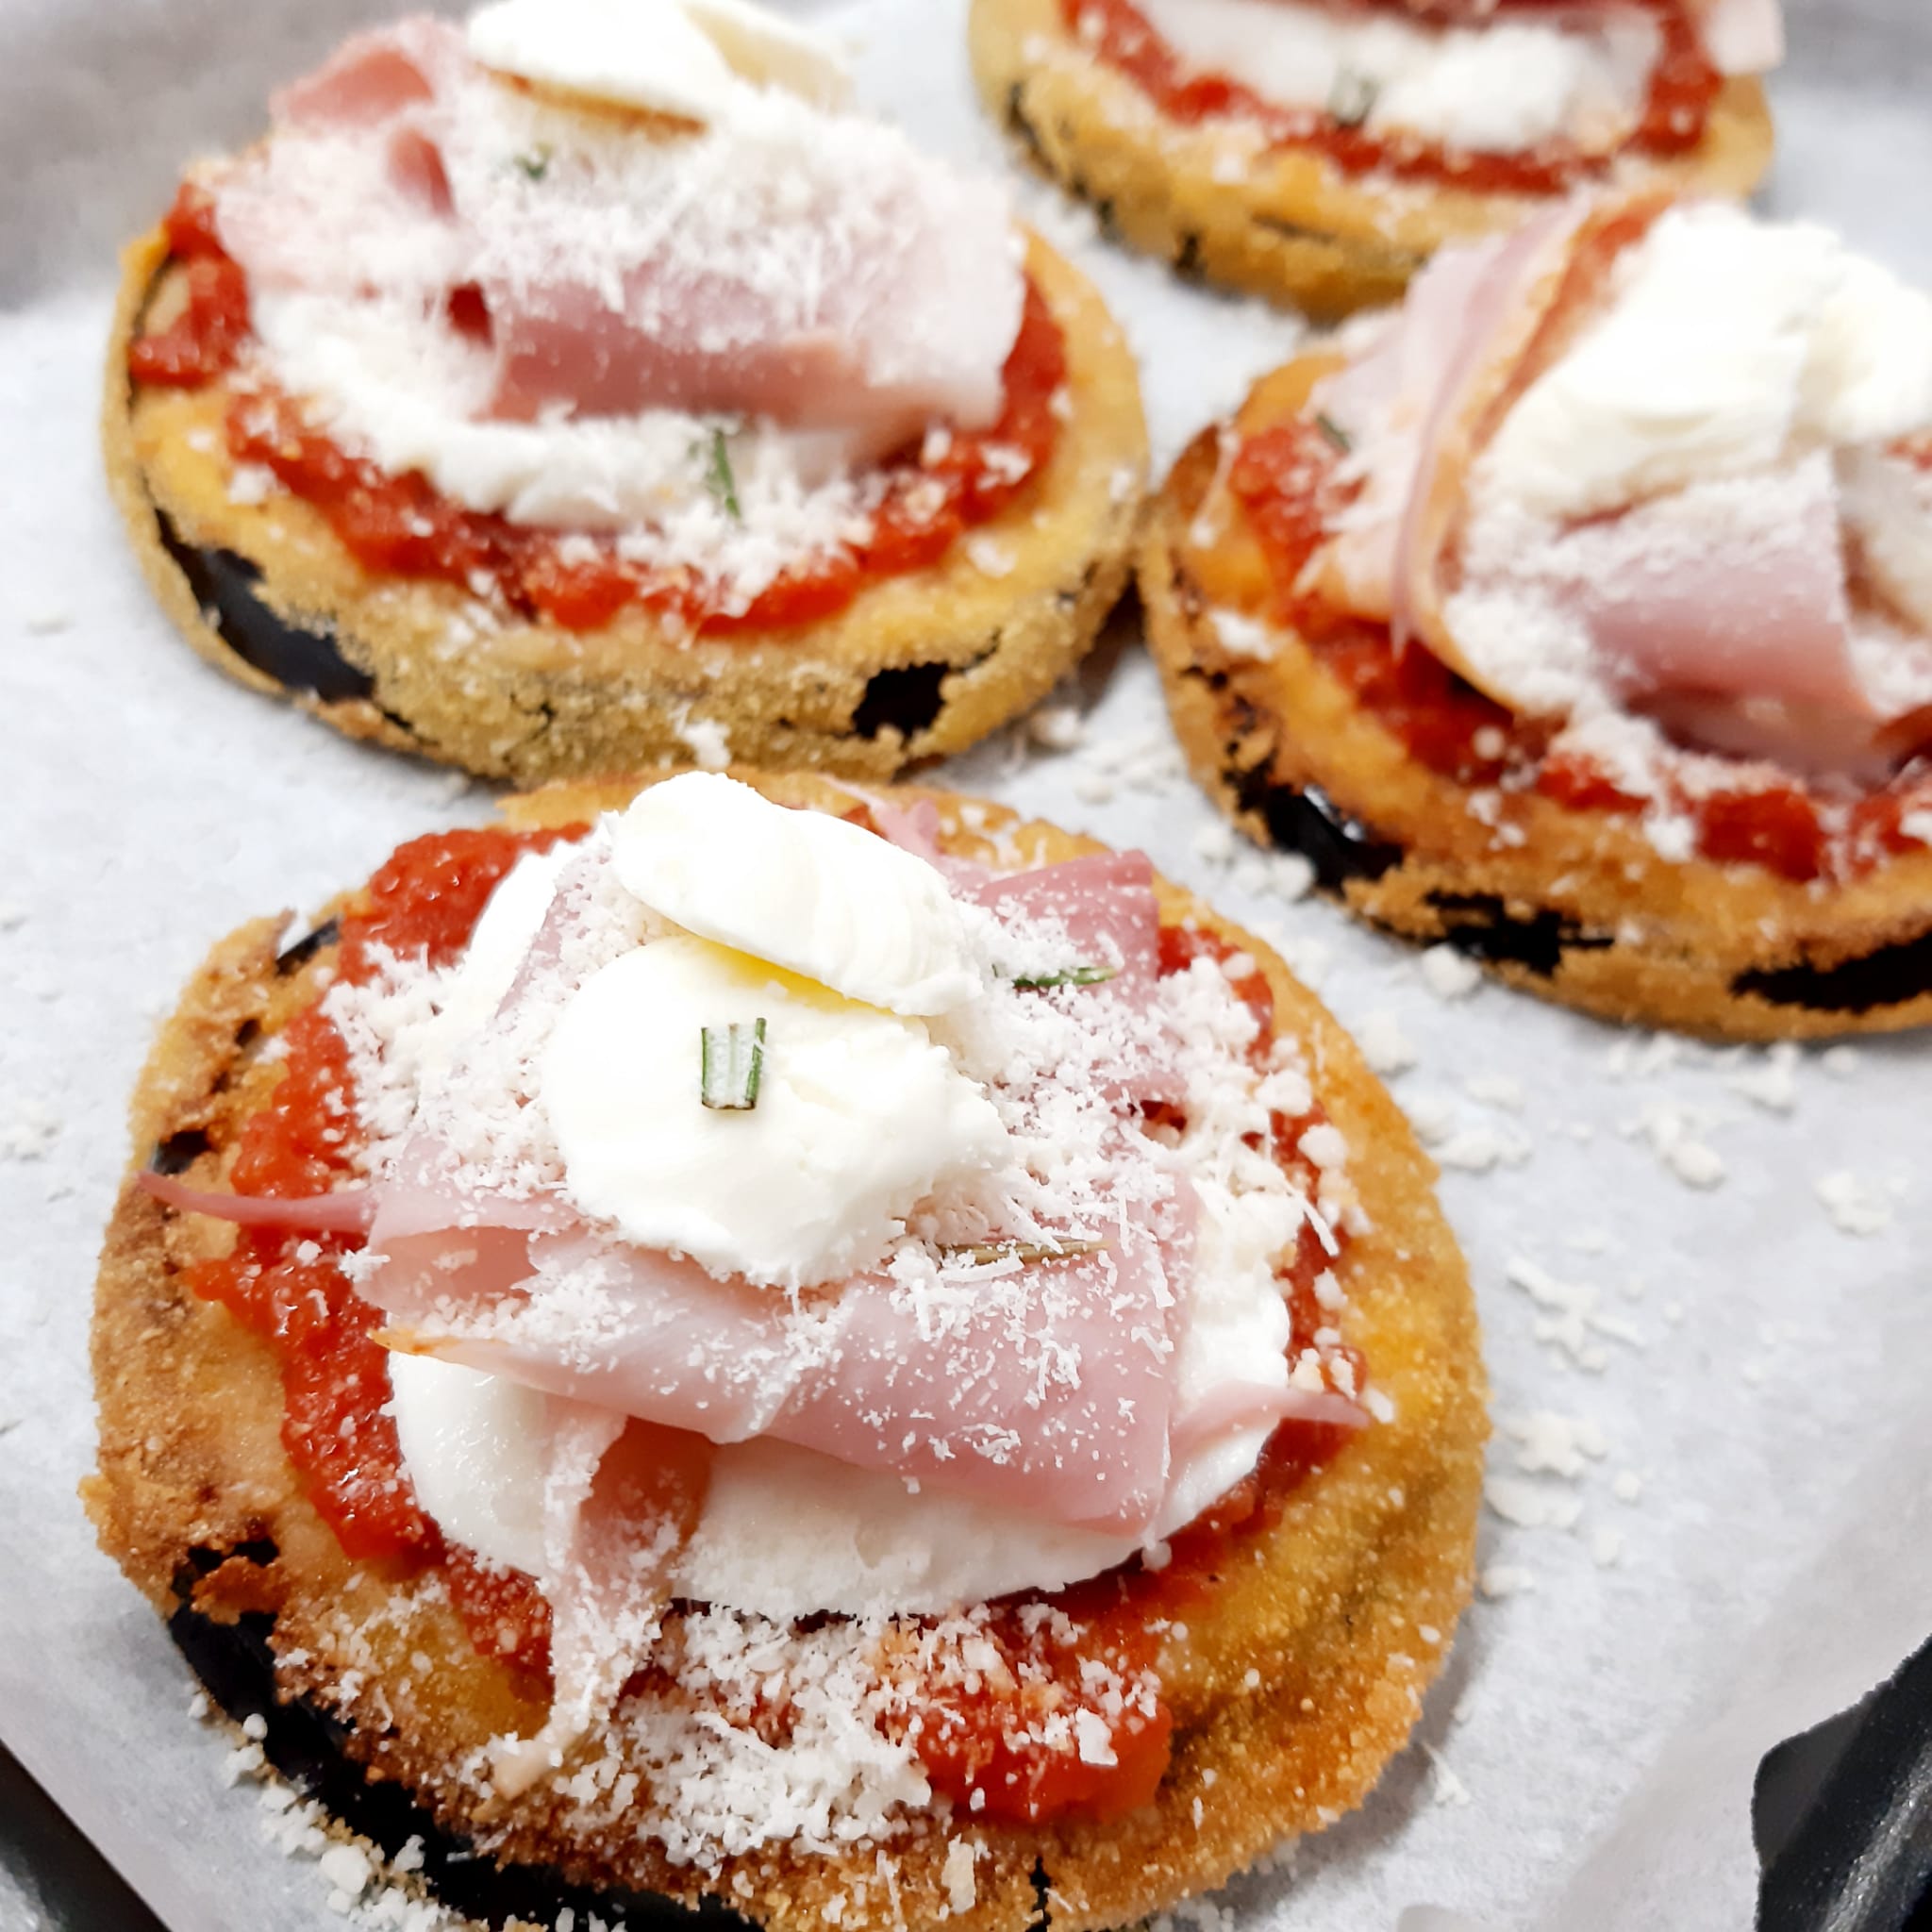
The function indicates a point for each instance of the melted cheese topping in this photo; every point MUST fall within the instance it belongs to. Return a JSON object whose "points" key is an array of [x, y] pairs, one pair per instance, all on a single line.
{"points": [[1501, 88]]}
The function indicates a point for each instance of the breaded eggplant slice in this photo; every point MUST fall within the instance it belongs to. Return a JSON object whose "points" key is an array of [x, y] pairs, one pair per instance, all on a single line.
{"points": [[1579, 906], [1295, 1681], [1281, 221], [916, 667]]}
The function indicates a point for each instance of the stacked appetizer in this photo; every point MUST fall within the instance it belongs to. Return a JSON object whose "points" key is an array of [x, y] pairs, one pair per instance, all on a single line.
{"points": [[1581, 614], [1319, 151], [866, 1361], [589, 387]]}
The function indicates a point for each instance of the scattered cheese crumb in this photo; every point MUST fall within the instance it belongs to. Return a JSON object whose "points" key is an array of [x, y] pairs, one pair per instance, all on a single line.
{"points": [[1445, 1788], [1529, 1506], [1505, 1579], [1769, 1082], [1856, 1206], [1386, 1047], [956, 1875], [1496, 1090], [1449, 974], [1056, 727], [29, 1134], [1552, 1445], [1214, 844], [1607, 1547], [1480, 1149], [346, 1868], [1673, 1132]]}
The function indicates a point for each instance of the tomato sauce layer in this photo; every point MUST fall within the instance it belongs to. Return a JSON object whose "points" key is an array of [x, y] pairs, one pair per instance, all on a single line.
{"points": [[1683, 85], [403, 526], [1283, 477], [288, 1288]]}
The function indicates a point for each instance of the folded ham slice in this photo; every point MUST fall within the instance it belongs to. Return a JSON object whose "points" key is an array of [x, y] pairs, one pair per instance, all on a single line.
{"points": [[1044, 1387], [1720, 606], [809, 270]]}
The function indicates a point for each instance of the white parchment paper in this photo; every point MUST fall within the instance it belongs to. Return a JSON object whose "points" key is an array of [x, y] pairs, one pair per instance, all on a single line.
{"points": [[1709, 1522]]}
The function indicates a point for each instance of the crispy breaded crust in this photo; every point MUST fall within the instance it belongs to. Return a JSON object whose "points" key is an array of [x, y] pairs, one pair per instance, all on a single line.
{"points": [[1284, 222], [918, 666], [1577, 906], [1325, 1607]]}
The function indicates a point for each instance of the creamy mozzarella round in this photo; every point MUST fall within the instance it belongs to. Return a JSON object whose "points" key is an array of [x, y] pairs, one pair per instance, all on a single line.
{"points": [[1503, 87], [769, 50], [859, 1116], [681, 58], [1727, 341], [474, 1446], [830, 901]]}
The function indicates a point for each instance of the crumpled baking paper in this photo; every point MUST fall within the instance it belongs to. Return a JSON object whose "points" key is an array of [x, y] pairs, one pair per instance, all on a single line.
{"points": [[1709, 1484]]}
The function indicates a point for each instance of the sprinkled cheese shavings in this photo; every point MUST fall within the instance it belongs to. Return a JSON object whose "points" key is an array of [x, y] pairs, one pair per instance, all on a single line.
{"points": [[782, 225], [710, 1765]]}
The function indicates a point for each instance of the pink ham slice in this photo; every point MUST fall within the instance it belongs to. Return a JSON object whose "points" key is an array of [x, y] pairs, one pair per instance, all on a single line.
{"points": [[1105, 902], [699, 324], [1258, 1404], [369, 81], [620, 1498], [1049, 1392], [350, 1211]]}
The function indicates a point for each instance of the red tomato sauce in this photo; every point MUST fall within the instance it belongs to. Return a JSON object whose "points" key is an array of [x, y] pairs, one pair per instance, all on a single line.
{"points": [[402, 526], [1283, 477], [1676, 110], [286, 1288]]}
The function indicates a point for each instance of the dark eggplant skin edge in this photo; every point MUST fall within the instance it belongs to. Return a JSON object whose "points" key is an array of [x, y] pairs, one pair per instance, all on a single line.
{"points": [[1341, 848], [235, 1662]]}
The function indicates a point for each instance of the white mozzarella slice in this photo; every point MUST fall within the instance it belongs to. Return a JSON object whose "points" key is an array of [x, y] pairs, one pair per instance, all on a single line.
{"points": [[497, 949], [1501, 86], [859, 1116], [647, 53], [475, 1448], [770, 51], [1870, 375], [1692, 373], [831, 902]]}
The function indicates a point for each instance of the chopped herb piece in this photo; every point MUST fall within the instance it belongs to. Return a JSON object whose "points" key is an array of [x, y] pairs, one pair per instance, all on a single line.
{"points": [[1353, 99], [731, 1064], [1073, 975], [719, 479], [1335, 432], [1021, 1251], [534, 165]]}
